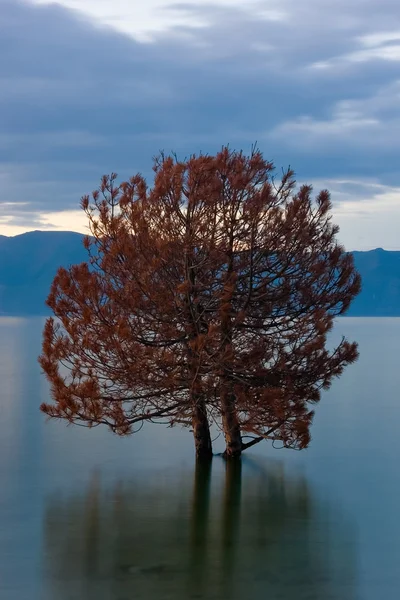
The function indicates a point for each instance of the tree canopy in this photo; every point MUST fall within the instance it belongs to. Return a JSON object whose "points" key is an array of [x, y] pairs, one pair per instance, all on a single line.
{"points": [[206, 299]]}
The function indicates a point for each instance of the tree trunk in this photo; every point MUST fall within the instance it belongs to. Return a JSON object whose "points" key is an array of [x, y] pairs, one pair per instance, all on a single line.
{"points": [[230, 424], [230, 421], [201, 432]]}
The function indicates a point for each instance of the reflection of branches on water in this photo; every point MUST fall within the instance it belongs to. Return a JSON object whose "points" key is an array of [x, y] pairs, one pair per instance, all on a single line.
{"points": [[167, 537]]}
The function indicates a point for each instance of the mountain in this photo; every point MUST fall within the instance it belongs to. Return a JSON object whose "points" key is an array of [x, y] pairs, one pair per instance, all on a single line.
{"points": [[380, 294], [28, 263]]}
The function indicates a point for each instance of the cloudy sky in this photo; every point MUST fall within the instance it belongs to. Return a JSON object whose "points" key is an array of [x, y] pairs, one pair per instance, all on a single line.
{"points": [[94, 86]]}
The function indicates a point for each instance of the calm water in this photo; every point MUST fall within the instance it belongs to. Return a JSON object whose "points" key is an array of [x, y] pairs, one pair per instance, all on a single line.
{"points": [[85, 515]]}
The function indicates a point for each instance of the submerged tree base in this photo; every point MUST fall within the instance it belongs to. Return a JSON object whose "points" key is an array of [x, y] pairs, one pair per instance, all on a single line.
{"points": [[232, 456], [204, 454]]}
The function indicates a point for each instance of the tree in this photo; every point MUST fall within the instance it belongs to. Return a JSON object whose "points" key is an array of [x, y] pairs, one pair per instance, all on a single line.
{"points": [[206, 299]]}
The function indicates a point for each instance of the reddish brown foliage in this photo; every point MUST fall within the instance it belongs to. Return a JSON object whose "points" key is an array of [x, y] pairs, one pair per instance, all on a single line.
{"points": [[207, 298]]}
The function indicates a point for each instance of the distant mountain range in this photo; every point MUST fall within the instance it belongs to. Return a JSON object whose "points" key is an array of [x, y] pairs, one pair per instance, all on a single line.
{"points": [[28, 263]]}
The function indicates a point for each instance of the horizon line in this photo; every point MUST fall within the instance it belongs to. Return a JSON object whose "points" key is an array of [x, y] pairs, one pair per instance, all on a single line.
{"points": [[365, 249]]}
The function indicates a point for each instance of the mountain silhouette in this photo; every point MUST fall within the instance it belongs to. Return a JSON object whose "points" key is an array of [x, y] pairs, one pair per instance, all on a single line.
{"points": [[380, 294], [28, 263]]}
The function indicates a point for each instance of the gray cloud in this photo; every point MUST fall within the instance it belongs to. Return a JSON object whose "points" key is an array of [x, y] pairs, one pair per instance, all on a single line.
{"points": [[316, 83]]}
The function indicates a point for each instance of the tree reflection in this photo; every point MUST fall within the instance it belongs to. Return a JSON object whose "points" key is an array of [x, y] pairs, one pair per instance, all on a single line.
{"points": [[165, 537]]}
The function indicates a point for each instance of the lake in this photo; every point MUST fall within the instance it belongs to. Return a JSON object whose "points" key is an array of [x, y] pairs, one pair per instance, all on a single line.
{"points": [[87, 515]]}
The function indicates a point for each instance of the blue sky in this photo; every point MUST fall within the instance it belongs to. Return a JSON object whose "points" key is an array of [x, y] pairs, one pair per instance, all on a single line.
{"points": [[92, 86]]}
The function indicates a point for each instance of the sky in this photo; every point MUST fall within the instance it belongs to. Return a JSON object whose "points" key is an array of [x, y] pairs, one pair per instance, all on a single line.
{"points": [[89, 87]]}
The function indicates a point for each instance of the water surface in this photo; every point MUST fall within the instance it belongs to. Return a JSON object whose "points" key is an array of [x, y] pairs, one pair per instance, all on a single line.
{"points": [[87, 515]]}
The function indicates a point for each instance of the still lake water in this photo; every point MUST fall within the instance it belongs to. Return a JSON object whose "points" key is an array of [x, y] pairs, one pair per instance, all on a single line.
{"points": [[87, 515]]}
